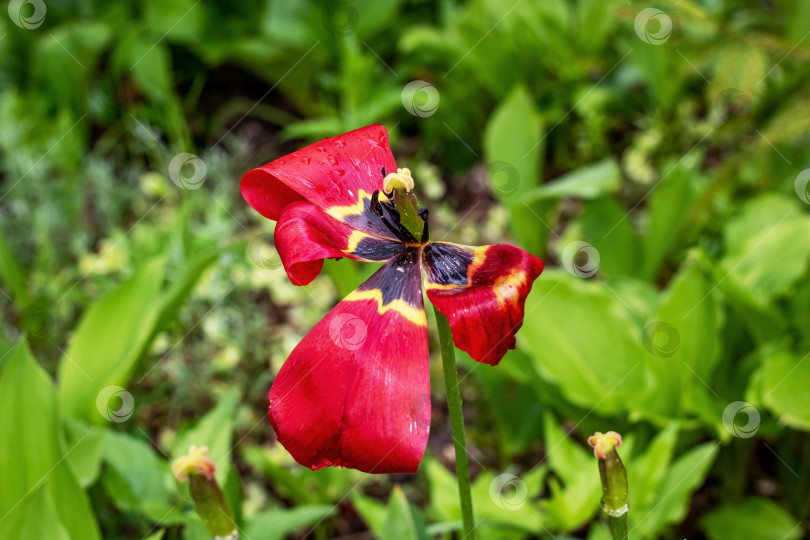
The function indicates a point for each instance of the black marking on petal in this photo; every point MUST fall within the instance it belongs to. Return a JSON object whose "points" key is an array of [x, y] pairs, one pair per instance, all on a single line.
{"points": [[447, 264], [374, 249], [400, 278]]}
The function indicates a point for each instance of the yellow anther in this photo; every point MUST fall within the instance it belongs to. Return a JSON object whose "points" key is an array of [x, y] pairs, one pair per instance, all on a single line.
{"points": [[604, 442], [400, 179]]}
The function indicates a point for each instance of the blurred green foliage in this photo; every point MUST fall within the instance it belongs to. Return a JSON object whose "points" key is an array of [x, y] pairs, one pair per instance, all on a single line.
{"points": [[657, 160]]}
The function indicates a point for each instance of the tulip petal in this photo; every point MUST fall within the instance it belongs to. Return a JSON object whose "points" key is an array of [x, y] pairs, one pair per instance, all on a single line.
{"points": [[352, 393], [305, 236], [338, 175], [482, 292]]}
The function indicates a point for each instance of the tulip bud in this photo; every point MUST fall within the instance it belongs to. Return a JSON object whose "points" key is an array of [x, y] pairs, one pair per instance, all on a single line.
{"points": [[206, 493], [614, 480]]}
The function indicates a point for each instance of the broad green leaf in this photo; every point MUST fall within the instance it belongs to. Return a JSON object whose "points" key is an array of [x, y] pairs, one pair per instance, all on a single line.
{"points": [[214, 430], [403, 520], [33, 452], [755, 517], [682, 343], [138, 480], [770, 262], [111, 336], [589, 182], [34, 517], [785, 388], [592, 352], [575, 497], [683, 477], [646, 471], [669, 205], [88, 442], [373, 512], [606, 226], [278, 523], [180, 289], [513, 150], [757, 215]]}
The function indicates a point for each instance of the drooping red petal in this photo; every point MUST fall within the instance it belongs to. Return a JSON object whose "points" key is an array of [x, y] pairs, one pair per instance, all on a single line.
{"points": [[352, 393], [337, 174], [305, 236], [481, 291]]}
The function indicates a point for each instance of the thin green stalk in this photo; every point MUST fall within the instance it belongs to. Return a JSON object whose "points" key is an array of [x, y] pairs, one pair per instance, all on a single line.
{"points": [[456, 423]]}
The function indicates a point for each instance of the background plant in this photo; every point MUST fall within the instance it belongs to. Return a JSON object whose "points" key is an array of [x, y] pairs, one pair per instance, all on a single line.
{"points": [[657, 160]]}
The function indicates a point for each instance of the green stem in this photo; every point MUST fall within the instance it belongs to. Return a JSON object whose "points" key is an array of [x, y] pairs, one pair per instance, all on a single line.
{"points": [[456, 423], [618, 526]]}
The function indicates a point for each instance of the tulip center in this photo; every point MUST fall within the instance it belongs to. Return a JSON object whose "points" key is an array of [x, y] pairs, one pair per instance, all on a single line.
{"points": [[401, 212]]}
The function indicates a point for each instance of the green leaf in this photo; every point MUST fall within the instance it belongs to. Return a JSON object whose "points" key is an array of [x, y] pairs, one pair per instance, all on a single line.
{"points": [[214, 430], [755, 517], [277, 523], [606, 368], [138, 480], [682, 343], [33, 453], [669, 205], [403, 520], [575, 497], [645, 472], [178, 292], [513, 150], [784, 386], [111, 336], [85, 459], [34, 517], [589, 182], [683, 477], [606, 226], [770, 262], [373, 512]]}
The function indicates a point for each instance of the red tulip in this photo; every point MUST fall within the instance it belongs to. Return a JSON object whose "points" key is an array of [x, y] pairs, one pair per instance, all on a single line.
{"points": [[351, 394]]}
